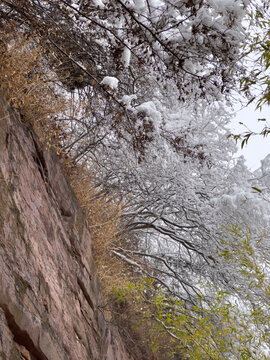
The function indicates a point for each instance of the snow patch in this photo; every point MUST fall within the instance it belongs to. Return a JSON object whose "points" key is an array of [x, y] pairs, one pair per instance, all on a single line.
{"points": [[139, 5], [234, 6], [149, 108], [126, 57], [127, 100], [99, 3], [111, 82]]}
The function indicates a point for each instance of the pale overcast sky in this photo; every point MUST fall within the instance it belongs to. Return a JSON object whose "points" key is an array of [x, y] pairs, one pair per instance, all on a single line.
{"points": [[257, 147]]}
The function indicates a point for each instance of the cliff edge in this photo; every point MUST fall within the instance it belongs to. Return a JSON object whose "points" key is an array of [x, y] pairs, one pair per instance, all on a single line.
{"points": [[49, 294]]}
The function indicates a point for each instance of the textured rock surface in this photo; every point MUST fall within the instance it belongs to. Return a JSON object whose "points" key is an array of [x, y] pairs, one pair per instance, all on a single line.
{"points": [[49, 294]]}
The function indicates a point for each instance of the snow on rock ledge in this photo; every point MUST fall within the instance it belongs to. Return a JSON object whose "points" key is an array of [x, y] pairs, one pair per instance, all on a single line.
{"points": [[49, 293]]}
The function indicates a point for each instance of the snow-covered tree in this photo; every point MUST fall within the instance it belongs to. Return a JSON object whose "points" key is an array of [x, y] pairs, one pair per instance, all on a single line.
{"points": [[114, 53], [149, 82]]}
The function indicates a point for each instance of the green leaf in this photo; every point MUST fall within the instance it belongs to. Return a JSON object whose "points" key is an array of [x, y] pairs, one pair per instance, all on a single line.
{"points": [[243, 143], [252, 99], [256, 189]]}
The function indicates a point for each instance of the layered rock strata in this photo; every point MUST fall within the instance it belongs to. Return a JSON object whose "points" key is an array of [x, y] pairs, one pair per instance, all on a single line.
{"points": [[50, 304]]}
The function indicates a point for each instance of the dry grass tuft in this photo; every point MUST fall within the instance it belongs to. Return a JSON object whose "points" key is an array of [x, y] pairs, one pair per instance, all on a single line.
{"points": [[104, 217], [29, 86], [32, 89]]}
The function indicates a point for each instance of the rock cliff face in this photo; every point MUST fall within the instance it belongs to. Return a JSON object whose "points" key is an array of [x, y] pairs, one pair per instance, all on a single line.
{"points": [[49, 294]]}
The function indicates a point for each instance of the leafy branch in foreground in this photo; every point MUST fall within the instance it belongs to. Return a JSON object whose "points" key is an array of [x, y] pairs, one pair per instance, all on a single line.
{"points": [[255, 84], [219, 326], [245, 136]]}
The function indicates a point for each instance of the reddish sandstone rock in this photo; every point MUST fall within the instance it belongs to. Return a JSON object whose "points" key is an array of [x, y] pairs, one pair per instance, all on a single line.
{"points": [[49, 293]]}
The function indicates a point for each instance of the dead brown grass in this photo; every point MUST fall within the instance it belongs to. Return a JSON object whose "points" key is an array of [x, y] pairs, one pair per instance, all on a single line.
{"points": [[29, 86], [104, 217]]}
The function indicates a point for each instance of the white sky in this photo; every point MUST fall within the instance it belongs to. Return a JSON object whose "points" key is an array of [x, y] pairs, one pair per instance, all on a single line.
{"points": [[258, 147]]}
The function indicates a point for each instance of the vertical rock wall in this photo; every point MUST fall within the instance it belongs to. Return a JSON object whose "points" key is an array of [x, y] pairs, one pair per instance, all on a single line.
{"points": [[49, 294]]}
